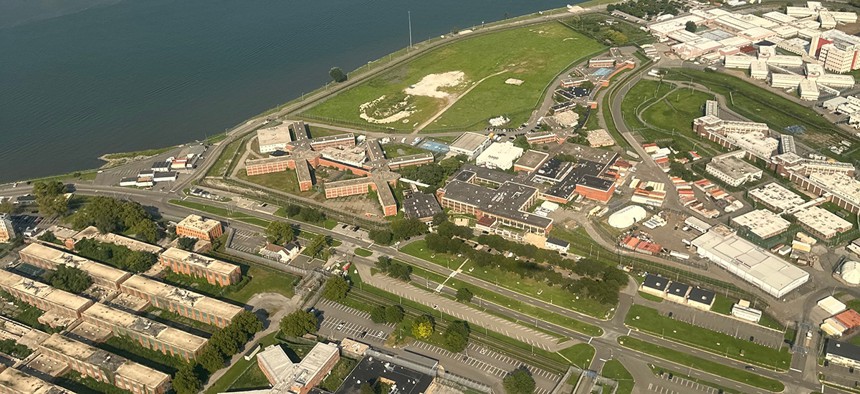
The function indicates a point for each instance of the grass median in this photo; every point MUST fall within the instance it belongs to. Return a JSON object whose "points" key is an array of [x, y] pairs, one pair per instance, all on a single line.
{"points": [[223, 212], [613, 369], [650, 321], [711, 367]]}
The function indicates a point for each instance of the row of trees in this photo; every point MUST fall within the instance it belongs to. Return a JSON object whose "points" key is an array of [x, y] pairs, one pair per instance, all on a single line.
{"points": [[400, 229], [648, 8], [116, 255], [50, 197], [394, 269], [223, 344], [305, 214], [112, 215], [387, 314], [71, 279]]}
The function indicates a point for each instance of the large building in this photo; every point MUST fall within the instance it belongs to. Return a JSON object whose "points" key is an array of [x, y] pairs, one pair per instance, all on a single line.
{"points": [[215, 271], [7, 231], [274, 138], [420, 206], [840, 189], [499, 155], [776, 197], [61, 307], [268, 165], [48, 258], [359, 186], [13, 381], [180, 301], [763, 223], [93, 233], [469, 144], [586, 177], [195, 226], [822, 223], [148, 333], [749, 262], [287, 377], [842, 353], [498, 209], [753, 138], [104, 366], [732, 170], [530, 161]]}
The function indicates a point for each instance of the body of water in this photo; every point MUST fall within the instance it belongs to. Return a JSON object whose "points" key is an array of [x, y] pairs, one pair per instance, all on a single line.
{"points": [[101, 76]]}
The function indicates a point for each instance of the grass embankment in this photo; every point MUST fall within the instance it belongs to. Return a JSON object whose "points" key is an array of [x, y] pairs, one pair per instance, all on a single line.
{"points": [[534, 54], [579, 355], [223, 212], [640, 95], [649, 320], [527, 286], [711, 367], [613, 369], [140, 153]]}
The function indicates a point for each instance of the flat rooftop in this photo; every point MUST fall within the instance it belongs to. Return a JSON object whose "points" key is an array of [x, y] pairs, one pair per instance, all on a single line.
{"points": [[276, 135], [777, 196], [42, 291], [57, 257], [181, 297], [469, 141], [198, 260], [93, 233], [407, 380], [145, 327], [763, 223], [734, 167], [421, 205], [19, 382], [409, 158], [506, 202], [532, 159], [822, 220], [197, 222], [482, 174]]}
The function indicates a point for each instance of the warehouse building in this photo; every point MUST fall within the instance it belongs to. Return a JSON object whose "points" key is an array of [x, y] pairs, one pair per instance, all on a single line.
{"points": [[215, 272], [182, 302], [499, 155], [732, 170], [104, 366], [776, 197], [149, 334], [822, 223], [44, 257], [13, 381], [749, 262], [763, 223], [61, 307], [195, 226], [469, 144]]}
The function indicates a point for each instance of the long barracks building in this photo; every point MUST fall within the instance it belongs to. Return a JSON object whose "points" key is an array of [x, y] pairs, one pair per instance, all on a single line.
{"points": [[48, 258], [215, 272], [62, 307], [180, 301]]}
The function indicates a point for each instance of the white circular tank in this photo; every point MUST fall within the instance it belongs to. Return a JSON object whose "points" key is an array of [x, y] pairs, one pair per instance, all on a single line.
{"points": [[627, 216], [851, 272]]}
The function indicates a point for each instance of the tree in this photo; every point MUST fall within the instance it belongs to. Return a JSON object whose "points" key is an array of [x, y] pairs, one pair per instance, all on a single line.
{"points": [[299, 323], [186, 243], [457, 336], [520, 381], [186, 382], [690, 26], [279, 232], [210, 359], [50, 197], [247, 322], [7, 207], [422, 327], [337, 74], [464, 295], [439, 218], [406, 228], [394, 314], [49, 237], [522, 142], [377, 314], [71, 279], [147, 231], [317, 245], [336, 288], [382, 237]]}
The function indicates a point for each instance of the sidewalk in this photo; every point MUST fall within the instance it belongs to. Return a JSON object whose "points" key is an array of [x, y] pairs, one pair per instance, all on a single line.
{"points": [[462, 311]]}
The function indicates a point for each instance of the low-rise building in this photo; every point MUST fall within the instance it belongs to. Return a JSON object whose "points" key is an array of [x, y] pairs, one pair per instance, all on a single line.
{"points": [[469, 144], [195, 226], [283, 254], [148, 333], [842, 353], [104, 366], [499, 155], [13, 381], [677, 292], [62, 307], [274, 138], [776, 197], [763, 223], [7, 231], [654, 285], [530, 161], [286, 376], [742, 310], [181, 302], [421, 206], [215, 271], [558, 245], [598, 138], [822, 223], [700, 298], [45, 257], [732, 170], [505, 206]]}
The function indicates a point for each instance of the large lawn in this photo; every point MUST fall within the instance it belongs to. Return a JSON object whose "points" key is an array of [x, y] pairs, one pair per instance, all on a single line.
{"points": [[701, 364], [649, 320], [533, 54], [552, 294], [672, 118], [640, 96]]}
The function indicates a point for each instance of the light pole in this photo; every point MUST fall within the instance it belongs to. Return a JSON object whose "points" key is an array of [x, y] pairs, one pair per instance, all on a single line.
{"points": [[409, 13]]}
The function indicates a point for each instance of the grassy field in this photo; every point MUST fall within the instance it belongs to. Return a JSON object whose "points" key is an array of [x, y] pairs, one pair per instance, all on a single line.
{"points": [[672, 117], [534, 54], [511, 281], [143, 153], [759, 104], [613, 369], [579, 354], [396, 150], [640, 96], [691, 361], [265, 280], [649, 320], [223, 163]]}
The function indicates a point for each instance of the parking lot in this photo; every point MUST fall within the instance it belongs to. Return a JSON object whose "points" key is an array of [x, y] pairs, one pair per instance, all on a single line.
{"points": [[340, 321], [248, 241]]}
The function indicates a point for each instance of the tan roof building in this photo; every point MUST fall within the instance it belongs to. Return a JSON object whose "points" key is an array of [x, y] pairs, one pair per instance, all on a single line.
{"points": [[213, 270], [13, 381], [195, 226], [180, 301], [48, 258], [148, 333], [67, 306]]}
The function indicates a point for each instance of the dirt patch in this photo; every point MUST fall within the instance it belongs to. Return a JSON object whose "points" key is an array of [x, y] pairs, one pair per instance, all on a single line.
{"points": [[386, 110], [430, 85]]}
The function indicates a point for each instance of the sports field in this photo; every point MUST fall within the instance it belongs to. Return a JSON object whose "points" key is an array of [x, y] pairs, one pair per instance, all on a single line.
{"points": [[464, 84]]}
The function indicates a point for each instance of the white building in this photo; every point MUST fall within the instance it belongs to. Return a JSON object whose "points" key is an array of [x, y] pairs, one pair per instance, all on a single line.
{"points": [[821, 222], [775, 196], [732, 169], [274, 138], [808, 90], [749, 262], [469, 144], [762, 223], [499, 155]]}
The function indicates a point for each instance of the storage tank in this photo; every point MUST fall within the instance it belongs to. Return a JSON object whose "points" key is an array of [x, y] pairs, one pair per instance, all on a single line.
{"points": [[851, 272]]}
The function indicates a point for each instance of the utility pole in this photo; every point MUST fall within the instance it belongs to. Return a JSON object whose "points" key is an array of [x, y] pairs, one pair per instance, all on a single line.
{"points": [[409, 13]]}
